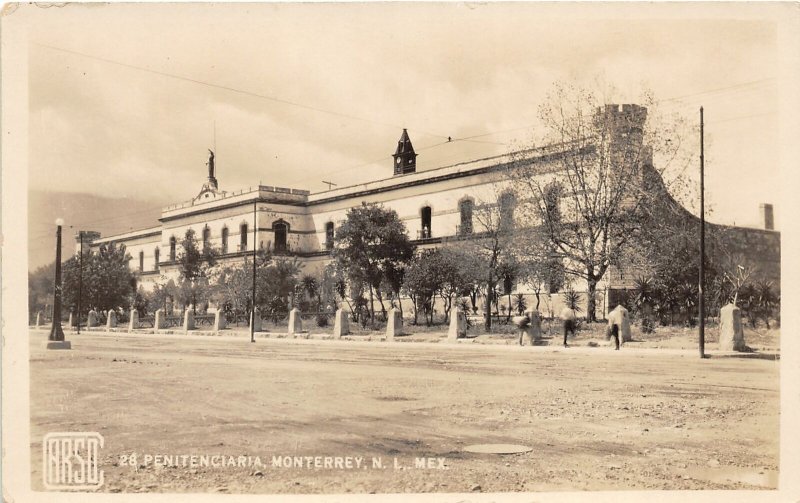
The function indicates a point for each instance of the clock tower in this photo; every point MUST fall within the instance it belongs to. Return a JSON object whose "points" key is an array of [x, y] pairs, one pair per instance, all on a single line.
{"points": [[405, 160]]}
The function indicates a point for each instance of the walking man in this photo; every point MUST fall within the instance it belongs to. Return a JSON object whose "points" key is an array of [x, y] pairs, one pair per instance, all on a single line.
{"points": [[523, 322], [617, 325], [613, 330], [568, 317]]}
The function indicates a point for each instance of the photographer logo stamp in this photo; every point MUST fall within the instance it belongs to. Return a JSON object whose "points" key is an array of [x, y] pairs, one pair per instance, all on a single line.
{"points": [[71, 461]]}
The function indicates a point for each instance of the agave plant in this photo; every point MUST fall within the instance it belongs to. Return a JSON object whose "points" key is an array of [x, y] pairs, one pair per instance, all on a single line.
{"points": [[644, 293], [767, 300], [687, 296], [571, 299], [644, 297], [748, 302], [519, 304]]}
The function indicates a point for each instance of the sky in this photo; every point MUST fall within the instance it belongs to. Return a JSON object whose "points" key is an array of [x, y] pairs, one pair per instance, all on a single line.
{"points": [[125, 100]]}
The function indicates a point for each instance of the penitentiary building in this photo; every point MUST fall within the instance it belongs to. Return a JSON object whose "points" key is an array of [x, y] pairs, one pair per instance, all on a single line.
{"points": [[436, 205]]}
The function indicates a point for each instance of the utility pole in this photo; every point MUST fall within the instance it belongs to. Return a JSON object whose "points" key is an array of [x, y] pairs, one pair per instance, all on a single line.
{"points": [[253, 310], [701, 289], [80, 279]]}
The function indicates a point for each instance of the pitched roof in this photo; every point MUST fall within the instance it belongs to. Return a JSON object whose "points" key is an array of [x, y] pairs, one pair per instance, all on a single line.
{"points": [[404, 144]]}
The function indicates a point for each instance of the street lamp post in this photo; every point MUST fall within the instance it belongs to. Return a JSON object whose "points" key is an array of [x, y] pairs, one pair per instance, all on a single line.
{"points": [[56, 338]]}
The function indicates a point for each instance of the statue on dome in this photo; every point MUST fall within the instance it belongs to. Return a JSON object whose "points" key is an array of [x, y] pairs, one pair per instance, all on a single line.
{"points": [[210, 164]]}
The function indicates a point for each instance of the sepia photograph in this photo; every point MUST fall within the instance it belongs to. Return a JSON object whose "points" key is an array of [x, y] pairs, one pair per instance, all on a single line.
{"points": [[399, 251]]}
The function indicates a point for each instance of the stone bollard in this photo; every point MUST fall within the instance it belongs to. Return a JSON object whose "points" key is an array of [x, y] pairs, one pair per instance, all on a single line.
{"points": [[91, 319], [111, 322], [255, 318], [39, 319], [731, 334], [341, 324], [188, 320], [219, 321], [134, 322], [619, 316], [535, 326], [295, 323], [394, 324], [159, 321], [458, 324]]}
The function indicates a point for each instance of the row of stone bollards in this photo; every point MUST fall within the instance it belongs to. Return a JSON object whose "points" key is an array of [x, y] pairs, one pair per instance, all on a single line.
{"points": [[731, 333]]}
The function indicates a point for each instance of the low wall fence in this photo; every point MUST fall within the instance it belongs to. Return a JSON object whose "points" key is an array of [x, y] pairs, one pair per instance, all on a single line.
{"points": [[172, 321]]}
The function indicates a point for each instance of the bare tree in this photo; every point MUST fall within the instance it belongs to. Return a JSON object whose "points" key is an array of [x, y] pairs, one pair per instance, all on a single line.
{"points": [[595, 185], [738, 271], [492, 242]]}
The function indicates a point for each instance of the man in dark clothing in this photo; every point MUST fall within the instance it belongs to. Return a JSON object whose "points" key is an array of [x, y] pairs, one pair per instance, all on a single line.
{"points": [[568, 316], [613, 330]]}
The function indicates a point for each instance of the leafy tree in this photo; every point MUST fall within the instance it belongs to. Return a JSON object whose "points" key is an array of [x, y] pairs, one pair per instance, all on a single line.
{"points": [[372, 241], [605, 184], [441, 271], [458, 275], [140, 301], [107, 280], [423, 279], [194, 265], [394, 276], [276, 283], [158, 297], [234, 288], [328, 287], [40, 288]]}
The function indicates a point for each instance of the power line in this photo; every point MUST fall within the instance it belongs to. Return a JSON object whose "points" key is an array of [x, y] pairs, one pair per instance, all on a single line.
{"points": [[720, 89], [771, 112], [253, 94], [335, 171], [228, 88], [105, 221], [741, 87]]}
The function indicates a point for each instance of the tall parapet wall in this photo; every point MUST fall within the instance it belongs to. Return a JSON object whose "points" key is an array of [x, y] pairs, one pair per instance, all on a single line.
{"points": [[759, 248]]}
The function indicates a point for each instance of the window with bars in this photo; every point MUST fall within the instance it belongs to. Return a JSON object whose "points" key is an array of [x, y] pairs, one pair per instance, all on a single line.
{"points": [[224, 240], [329, 236], [281, 231], [243, 230], [465, 208]]}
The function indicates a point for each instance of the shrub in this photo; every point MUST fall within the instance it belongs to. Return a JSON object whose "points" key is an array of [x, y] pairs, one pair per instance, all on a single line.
{"points": [[322, 320], [648, 325]]}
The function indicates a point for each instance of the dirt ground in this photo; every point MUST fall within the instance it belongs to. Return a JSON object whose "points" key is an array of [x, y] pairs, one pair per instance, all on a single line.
{"points": [[595, 419]]}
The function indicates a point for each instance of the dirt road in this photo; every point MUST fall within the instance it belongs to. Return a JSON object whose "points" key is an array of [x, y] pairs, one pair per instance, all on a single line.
{"points": [[595, 419]]}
